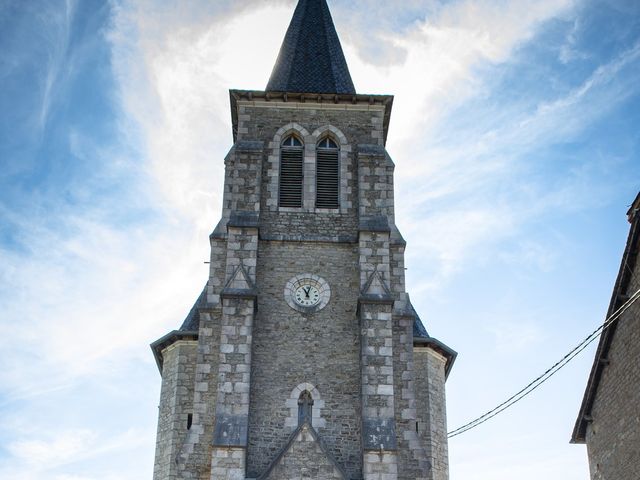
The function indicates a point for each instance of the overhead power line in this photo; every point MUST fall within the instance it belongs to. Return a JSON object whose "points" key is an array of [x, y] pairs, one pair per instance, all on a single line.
{"points": [[549, 373]]}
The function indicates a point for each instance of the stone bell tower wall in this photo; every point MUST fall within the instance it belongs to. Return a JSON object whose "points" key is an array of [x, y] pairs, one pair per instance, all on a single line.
{"points": [[291, 349], [348, 125], [322, 350]]}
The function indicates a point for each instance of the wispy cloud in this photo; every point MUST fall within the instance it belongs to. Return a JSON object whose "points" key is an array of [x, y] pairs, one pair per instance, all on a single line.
{"points": [[489, 189], [57, 35]]}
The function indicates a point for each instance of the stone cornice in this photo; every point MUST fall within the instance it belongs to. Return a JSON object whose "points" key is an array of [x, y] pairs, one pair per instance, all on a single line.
{"points": [[310, 100]]}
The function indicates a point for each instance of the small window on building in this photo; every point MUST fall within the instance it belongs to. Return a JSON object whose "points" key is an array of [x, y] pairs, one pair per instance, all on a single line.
{"points": [[305, 407], [327, 174], [291, 173]]}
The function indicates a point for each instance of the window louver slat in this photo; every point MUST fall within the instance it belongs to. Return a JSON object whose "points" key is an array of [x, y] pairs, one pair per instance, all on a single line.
{"points": [[327, 178], [291, 178]]}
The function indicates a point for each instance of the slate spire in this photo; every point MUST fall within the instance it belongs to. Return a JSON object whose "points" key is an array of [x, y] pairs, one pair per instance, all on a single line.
{"points": [[311, 58]]}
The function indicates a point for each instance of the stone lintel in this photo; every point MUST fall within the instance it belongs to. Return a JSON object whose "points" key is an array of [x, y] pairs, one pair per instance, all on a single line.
{"points": [[249, 146], [379, 434], [251, 294], [230, 430], [371, 150], [375, 299], [377, 223], [244, 220]]}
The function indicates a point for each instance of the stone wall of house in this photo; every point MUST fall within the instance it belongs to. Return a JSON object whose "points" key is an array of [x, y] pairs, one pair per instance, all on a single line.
{"points": [[613, 437]]}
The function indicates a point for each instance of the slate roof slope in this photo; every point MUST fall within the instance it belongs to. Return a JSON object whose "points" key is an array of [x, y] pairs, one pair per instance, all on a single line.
{"points": [[311, 58], [192, 321]]}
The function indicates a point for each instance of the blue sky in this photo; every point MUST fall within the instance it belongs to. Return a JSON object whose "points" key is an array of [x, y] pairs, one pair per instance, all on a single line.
{"points": [[515, 137]]}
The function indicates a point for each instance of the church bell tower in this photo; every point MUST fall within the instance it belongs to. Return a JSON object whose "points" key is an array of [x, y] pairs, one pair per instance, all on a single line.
{"points": [[303, 357]]}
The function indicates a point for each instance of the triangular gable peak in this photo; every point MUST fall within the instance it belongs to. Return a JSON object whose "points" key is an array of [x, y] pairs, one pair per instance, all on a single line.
{"points": [[304, 456], [311, 58], [240, 280], [376, 286]]}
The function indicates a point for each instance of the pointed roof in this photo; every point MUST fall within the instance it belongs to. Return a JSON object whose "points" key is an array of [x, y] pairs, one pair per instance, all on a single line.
{"points": [[311, 58]]}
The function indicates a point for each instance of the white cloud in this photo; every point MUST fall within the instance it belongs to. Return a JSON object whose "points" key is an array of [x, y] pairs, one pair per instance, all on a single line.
{"points": [[86, 290], [58, 449], [97, 290], [45, 455]]}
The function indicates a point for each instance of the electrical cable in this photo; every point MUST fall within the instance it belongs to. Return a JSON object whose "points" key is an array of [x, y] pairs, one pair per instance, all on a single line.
{"points": [[547, 374]]}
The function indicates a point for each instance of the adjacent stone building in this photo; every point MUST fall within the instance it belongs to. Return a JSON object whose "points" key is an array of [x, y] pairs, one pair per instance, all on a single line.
{"points": [[609, 418], [303, 357]]}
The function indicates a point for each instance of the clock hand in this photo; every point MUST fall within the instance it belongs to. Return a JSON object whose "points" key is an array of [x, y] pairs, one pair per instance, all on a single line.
{"points": [[306, 291]]}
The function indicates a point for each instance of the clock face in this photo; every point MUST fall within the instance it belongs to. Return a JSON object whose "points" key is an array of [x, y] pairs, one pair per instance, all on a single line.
{"points": [[307, 293]]}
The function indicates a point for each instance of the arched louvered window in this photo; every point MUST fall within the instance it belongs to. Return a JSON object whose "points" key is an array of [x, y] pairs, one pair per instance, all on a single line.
{"points": [[327, 174], [291, 173]]}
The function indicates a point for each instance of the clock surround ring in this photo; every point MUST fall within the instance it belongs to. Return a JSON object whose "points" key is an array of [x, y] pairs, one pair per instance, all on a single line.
{"points": [[316, 293]]}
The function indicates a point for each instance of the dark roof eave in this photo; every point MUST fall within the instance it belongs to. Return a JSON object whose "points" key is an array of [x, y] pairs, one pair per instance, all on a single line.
{"points": [[169, 339], [633, 209], [447, 352], [624, 276], [301, 97]]}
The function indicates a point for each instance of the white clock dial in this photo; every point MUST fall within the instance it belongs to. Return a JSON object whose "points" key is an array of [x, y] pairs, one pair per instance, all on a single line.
{"points": [[307, 295]]}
